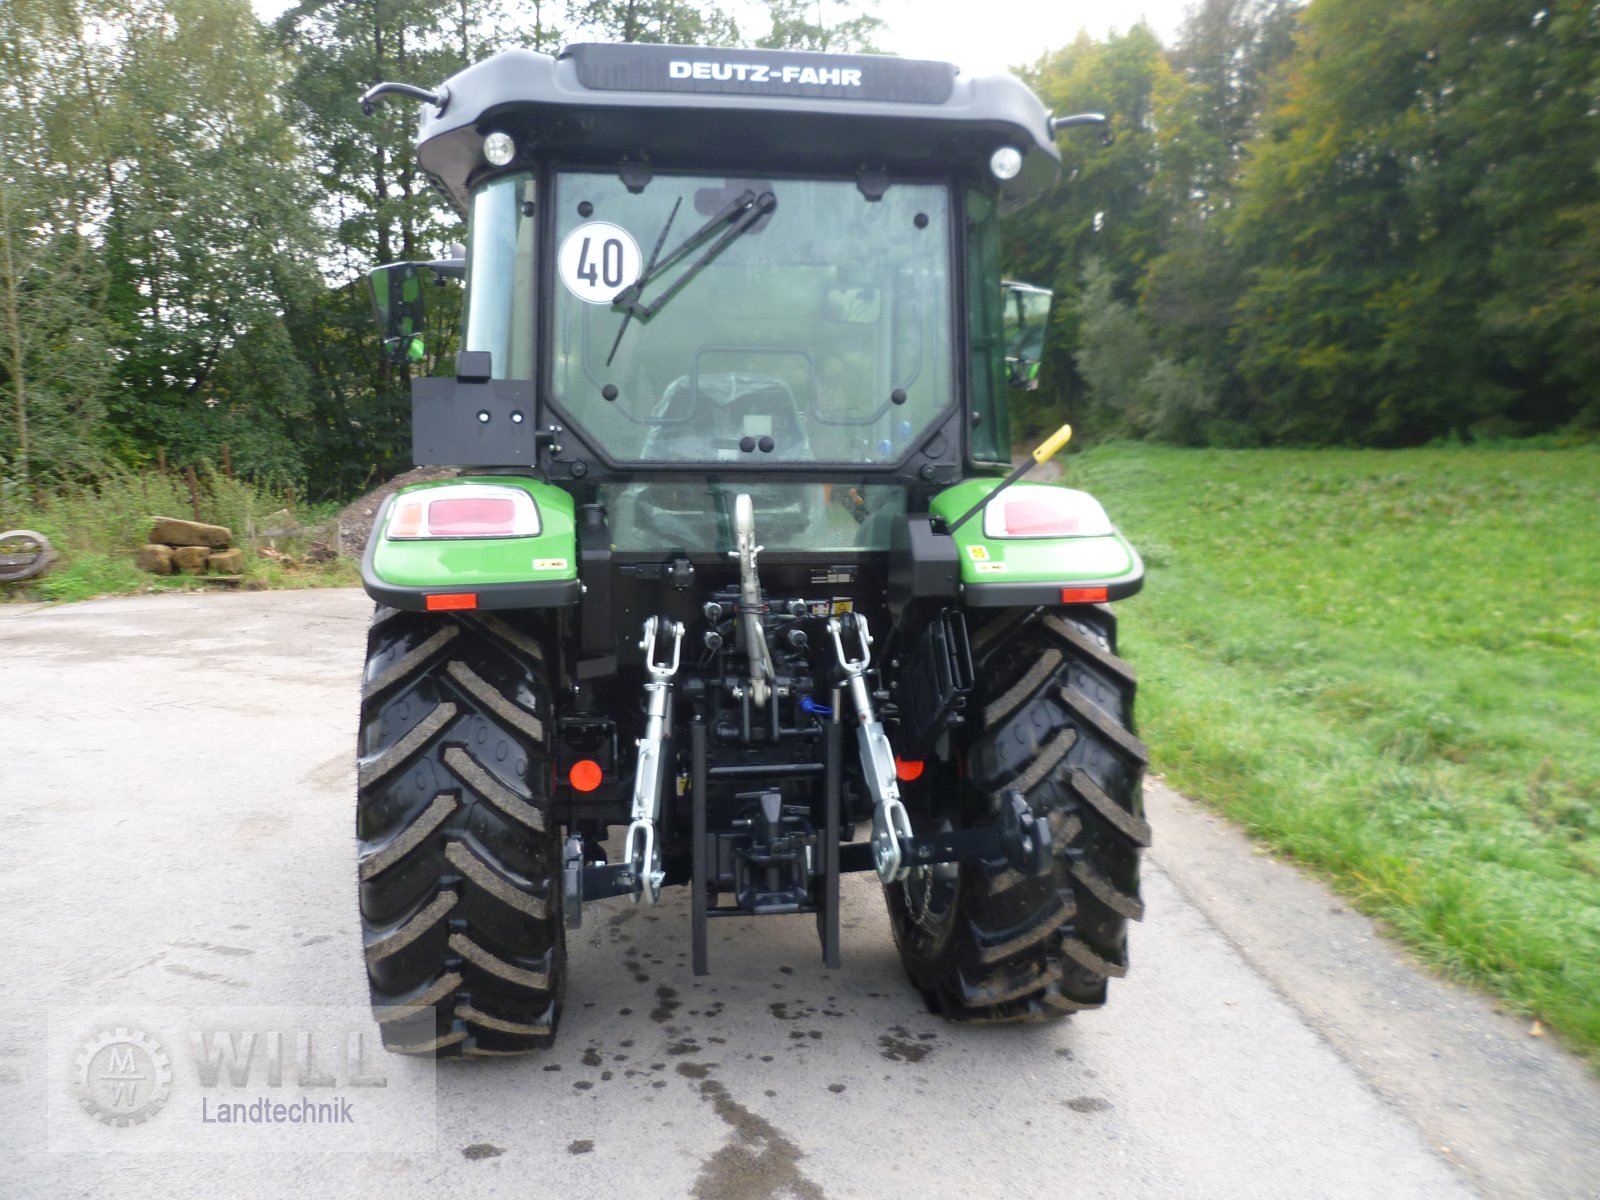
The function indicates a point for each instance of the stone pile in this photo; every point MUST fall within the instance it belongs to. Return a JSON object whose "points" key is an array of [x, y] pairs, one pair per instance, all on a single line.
{"points": [[179, 547]]}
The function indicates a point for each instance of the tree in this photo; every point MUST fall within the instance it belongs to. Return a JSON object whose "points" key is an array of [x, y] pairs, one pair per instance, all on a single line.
{"points": [[1400, 231], [836, 25], [1107, 206], [54, 367], [54, 370], [145, 196], [375, 206], [670, 22]]}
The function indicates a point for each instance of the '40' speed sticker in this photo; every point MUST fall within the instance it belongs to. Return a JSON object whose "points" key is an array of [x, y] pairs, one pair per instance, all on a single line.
{"points": [[598, 260]]}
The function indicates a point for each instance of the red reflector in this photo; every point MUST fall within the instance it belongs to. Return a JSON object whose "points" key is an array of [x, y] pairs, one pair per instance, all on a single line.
{"points": [[471, 515], [1082, 595], [907, 771], [1030, 518], [451, 601], [585, 775]]}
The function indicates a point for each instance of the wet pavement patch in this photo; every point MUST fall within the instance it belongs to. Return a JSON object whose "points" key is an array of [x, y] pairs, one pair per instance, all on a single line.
{"points": [[758, 1161], [581, 1146], [1087, 1104], [898, 1046], [481, 1150], [667, 1003]]}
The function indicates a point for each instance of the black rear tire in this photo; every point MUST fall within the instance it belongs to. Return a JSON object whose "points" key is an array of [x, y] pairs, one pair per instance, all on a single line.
{"points": [[1052, 716], [460, 863]]}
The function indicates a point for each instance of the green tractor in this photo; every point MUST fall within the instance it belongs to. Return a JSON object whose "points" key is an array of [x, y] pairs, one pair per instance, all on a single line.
{"points": [[737, 569]]}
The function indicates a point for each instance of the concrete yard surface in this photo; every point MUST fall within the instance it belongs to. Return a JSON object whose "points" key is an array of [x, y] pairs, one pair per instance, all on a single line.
{"points": [[178, 831]]}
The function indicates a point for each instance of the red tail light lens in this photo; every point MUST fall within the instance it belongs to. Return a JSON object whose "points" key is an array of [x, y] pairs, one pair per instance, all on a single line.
{"points": [[479, 516], [1029, 518], [464, 510], [1037, 510]]}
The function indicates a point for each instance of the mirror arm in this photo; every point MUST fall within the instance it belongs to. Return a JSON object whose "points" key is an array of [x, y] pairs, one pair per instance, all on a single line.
{"points": [[369, 98], [455, 268], [1057, 124]]}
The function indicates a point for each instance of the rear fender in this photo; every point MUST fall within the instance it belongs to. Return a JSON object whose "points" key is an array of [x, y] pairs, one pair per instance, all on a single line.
{"points": [[1093, 562], [420, 574]]}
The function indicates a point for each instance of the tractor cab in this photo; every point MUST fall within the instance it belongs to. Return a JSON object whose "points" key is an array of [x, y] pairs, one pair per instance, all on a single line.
{"points": [[642, 219]]}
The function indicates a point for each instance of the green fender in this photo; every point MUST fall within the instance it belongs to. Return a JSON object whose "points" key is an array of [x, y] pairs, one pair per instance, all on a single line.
{"points": [[494, 572], [1012, 571]]}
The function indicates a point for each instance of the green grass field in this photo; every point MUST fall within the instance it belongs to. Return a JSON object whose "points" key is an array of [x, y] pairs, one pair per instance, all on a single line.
{"points": [[1387, 664]]}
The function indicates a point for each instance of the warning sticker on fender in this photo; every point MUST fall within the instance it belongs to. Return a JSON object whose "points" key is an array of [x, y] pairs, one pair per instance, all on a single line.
{"points": [[597, 260], [549, 564], [989, 568]]}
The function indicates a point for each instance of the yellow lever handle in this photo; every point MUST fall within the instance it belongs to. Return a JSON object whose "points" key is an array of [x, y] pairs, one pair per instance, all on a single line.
{"points": [[1052, 445]]}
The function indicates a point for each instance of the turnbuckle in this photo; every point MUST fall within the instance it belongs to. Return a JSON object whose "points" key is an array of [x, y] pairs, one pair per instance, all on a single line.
{"points": [[890, 821], [639, 847]]}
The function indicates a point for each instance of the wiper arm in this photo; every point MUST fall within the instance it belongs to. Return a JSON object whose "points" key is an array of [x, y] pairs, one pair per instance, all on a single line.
{"points": [[649, 269], [744, 211]]}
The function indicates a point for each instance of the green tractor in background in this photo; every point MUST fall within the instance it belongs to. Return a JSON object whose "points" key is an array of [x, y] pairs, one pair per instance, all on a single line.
{"points": [[737, 563]]}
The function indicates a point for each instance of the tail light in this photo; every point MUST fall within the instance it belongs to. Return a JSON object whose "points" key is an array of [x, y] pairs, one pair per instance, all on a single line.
{"points": [[466, 510], [1040, 511]]}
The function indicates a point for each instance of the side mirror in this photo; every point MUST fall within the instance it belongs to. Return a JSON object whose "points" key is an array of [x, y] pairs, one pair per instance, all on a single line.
{"points": [[398, 306], [1027, 315]]}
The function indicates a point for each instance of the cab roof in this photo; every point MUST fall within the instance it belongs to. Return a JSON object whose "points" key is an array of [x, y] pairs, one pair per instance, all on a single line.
{"points": [[644, 106]]}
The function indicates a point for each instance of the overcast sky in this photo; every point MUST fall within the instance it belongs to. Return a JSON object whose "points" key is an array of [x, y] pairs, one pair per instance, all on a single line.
{"points": [[985, 35], [981, 35]]}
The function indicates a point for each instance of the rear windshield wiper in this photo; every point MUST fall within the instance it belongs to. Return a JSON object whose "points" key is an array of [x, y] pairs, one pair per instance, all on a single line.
{"points": [[744, 211]]}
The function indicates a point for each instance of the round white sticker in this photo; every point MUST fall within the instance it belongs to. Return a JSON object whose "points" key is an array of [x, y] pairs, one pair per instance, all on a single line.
{"points": [[598, 260]]}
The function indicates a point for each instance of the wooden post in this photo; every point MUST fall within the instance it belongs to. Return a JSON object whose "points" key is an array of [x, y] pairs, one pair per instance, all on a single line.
{"points": [[144, 486], [227, 461], [161, 459], [194, 491]]}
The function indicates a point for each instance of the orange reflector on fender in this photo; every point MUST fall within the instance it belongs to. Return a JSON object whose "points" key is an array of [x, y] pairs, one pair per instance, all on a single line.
{"points": [[905, 771], [585, 775], [1082, 595], [451, 601]]}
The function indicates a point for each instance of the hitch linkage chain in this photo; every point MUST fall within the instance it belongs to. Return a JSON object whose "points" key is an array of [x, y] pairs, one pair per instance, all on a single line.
{"points": [[891, 824], [639, 851]]}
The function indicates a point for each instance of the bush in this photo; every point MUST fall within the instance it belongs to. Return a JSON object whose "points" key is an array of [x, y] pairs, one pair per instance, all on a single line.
{"points": [[96, 527]]}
